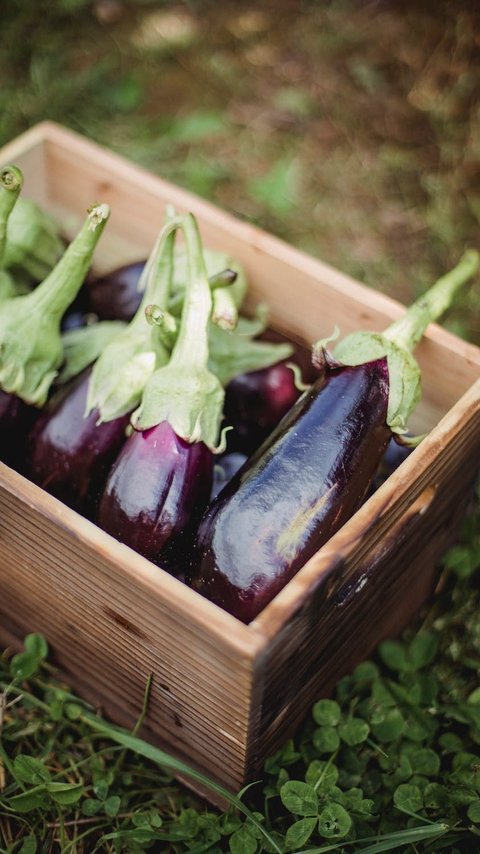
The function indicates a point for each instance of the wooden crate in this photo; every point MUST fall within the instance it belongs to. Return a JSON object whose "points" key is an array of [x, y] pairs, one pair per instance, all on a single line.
{"points": [[224, 694]]}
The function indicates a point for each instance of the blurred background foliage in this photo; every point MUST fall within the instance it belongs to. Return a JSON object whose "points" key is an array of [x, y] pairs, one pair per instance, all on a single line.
{"points": [[349, 128]]}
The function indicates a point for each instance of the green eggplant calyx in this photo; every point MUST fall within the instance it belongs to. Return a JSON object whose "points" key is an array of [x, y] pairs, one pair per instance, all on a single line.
{"points": [[402, 336], [120, 374], [33, 243], [81, 347], [234, 353], [185, 392], [31, 350], [403, 372]]}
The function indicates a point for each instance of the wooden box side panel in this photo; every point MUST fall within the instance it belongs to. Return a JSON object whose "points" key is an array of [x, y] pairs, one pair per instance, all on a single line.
{"points": [[354, 594], [110, 628], [307, 297]]}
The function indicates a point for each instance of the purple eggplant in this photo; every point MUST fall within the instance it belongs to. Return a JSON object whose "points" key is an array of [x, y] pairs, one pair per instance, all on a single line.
{"points": [[116, 296], [16, 419], [314, 471], [393, 457], [256, 402], [225, 467], [160, 484], [289, 498], [70, 455]]}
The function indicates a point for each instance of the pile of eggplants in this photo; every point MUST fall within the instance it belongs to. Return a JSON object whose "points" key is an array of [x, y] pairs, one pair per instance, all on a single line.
{"points": [[147, 402]]}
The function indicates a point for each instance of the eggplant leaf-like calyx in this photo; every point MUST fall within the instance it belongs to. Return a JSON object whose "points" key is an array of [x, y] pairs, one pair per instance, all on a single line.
{"points": [[185, 393], [233, 353], [31, 349], [191, 402], [403, 371], [33, 240], [121, 373], [81, 347]]}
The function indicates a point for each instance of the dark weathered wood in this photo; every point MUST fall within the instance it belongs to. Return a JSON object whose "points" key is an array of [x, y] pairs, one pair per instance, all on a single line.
{"points": [[224, 695]]}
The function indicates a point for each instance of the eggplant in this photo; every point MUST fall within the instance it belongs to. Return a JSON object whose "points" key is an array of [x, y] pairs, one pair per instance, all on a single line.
{"points": [[158, 488], [161, 481], [393, 457], [70, 455], [313, 472], [256, 402], [225, 467], [285, 502], [116, 296]]}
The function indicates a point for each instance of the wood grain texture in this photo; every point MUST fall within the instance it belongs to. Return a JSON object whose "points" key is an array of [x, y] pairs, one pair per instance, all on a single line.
{"points": [[224, 695]]}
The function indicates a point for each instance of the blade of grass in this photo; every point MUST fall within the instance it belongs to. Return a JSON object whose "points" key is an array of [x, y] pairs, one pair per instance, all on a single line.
{"points": [[154, 754], [388, 842]]}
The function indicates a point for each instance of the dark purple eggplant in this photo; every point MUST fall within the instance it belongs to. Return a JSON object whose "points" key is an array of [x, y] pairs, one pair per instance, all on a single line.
{"points": [[16, 419], [291, 496], [256, 402], [70, 455], [225, 467], [393, 457], [160, 484], [116, 296], [313, 472], [158, 487]]}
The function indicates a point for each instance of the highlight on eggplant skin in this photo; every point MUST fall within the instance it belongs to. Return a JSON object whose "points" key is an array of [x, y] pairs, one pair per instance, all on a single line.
{"points": [[256, 402], [270, 519], [157, 489], [69, 455]]}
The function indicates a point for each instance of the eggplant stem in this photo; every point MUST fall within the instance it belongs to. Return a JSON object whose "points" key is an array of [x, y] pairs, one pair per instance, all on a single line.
{"points": [[191, 347], [408, 330], [11, 183], [60, 287]]}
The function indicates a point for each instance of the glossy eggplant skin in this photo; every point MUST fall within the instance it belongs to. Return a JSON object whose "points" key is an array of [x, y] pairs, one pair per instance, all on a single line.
{"points": [[391, 460], [69, 455], [115, 296], [157, 489], [225, 467], [295, 492], [16, 419], [255, 403]]}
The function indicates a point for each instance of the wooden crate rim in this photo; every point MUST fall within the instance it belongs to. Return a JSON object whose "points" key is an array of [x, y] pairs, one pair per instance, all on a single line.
{"points": [[250, 640]]}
